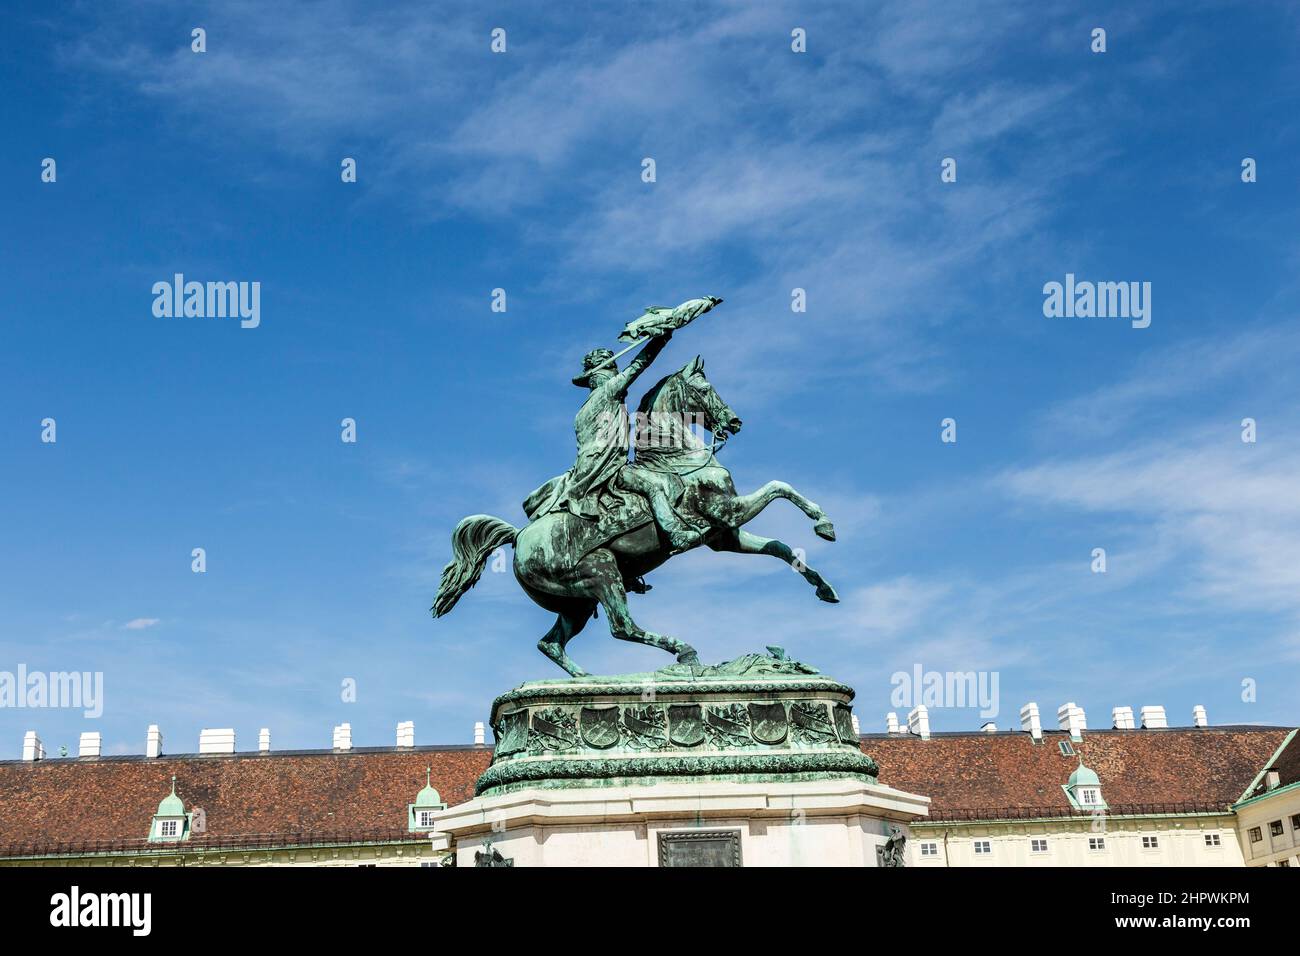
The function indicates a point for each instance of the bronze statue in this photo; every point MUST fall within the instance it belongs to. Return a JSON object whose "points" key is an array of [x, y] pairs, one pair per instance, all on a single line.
{"points": [[598, 529]]}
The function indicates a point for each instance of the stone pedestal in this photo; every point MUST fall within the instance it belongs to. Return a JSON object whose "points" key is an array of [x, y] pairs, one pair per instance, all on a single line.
{"points": [[826, 822], [753, 762]]}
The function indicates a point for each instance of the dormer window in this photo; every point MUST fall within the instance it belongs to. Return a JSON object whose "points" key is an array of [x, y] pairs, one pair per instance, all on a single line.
{"points": [[423, 813], [1084, 790], [171, 822]]}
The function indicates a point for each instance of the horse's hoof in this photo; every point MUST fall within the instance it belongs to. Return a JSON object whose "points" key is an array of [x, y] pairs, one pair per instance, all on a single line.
{"points": [[688, 656], [824, 529], [827, 593]]}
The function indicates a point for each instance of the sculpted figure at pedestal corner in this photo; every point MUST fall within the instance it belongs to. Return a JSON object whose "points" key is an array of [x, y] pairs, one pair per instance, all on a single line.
{"points": [[595, 531]]}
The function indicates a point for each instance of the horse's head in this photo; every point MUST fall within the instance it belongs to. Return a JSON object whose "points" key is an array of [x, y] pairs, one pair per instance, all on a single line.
{"points": [[719, 417]]}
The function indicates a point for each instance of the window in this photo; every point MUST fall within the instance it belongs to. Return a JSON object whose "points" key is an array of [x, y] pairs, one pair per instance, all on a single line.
{"points": [[1038, 846], [1089, 797], [1066, 749], [983, 847], [1096, 843], [1212, 839], [425, 817], [1275, 828], [1283, 862], [929, 849], [1150, 843], [168, 828], [1256, 834], [1295, 822]]}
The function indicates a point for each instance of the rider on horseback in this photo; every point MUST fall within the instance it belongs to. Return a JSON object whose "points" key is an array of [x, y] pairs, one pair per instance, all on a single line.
{"points": [[601, 478]]}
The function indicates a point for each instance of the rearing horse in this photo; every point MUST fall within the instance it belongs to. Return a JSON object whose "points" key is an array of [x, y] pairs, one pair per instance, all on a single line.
{"points": [[569, 565]]}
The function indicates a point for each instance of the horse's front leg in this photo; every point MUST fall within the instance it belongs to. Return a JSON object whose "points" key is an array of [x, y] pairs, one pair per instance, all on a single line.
{"points": [[741, 509], [744, 542]]}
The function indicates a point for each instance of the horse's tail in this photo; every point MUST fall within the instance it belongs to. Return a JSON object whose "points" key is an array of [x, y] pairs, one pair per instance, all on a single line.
{"points": [[473, 540]]}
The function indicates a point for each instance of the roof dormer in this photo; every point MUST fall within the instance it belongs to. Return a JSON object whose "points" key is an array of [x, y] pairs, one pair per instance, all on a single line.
{"points": [[420, 814], [1084, 789], [171, 823]]}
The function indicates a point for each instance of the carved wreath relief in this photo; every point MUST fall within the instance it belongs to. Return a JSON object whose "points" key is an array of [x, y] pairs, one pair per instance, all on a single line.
{"points": [[659, 727]]}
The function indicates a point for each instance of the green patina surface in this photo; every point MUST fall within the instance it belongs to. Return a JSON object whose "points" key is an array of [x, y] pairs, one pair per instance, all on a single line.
{"points": [[760, 717]]}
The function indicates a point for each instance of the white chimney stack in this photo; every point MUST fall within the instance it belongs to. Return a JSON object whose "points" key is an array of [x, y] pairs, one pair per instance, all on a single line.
{"points": [[217, 741], [264, 740], [989, 728], [91, 742], [1070, 717], [32, 748], [1121, 718], [1029, 720], [480, 733], [153, 742], [891, 723], [1199, 717], [918, 721], [343, 737], [1153, 717], [406, 733], [857, 728]]}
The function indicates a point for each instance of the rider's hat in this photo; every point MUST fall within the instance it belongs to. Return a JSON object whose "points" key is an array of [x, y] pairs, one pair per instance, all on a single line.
{"points": [[596, 358]]}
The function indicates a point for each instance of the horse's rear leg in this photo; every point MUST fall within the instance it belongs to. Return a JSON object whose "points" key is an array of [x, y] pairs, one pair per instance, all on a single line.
{"points": [[567, 625], [607, 581], [743, 542]]}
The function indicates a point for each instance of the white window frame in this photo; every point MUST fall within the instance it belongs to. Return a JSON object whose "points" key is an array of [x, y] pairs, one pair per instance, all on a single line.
{"points": [[1038, 844], [1151, 842], [929, 849], [424, 818], [169, 828], [1096, 844], [1213, 840], [986, 844]]}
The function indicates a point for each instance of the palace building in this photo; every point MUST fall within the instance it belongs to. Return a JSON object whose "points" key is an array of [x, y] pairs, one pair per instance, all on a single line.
{"points": [[1129, 795]]}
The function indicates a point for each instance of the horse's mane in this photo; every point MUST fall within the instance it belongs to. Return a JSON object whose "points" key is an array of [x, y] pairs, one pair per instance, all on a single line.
{"points": [[666, 438]]}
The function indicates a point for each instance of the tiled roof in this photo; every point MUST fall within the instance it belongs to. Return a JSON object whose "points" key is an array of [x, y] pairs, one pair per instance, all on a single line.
{"points": [[84, 800], [288, 797], [984, 775]]}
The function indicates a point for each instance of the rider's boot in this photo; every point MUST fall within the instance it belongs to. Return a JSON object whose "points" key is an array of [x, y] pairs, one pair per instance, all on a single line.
{"points": [[681, 535]]}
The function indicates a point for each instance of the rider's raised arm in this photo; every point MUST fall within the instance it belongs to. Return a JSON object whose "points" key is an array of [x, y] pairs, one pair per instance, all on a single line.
{"points": [[621, 382]]}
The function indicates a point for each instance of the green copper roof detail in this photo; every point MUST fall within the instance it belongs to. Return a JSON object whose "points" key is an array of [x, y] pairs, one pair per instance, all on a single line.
{"points": [[428, 797], [1083, 777], [172, 805]]}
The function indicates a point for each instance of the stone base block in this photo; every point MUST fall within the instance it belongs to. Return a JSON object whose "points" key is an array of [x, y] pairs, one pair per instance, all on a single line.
{"points": [[822, 822]]}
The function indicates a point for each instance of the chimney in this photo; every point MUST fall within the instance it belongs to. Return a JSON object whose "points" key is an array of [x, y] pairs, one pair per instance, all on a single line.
{"points": [[1153, 717], [91, 741], [1272, 779], [264, 740], [480, 733], [891, 723], [343, 737], [1029, 720], [32, 749], [406, 733], [218, 741], [918, 721], [1199, 717], [1071, 718], [989, 728], [857, 728], [153, 742], [1121, 718]]}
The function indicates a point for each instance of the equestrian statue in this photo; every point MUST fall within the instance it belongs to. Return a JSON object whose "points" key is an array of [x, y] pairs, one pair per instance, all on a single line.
{"points": [[594, 532]]}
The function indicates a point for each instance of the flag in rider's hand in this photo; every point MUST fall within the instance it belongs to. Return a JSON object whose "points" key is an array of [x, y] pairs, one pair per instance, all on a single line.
{"points": [[659, 319]]}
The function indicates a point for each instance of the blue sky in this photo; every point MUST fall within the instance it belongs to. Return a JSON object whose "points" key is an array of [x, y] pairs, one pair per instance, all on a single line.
{"points": [[522, 171]]}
